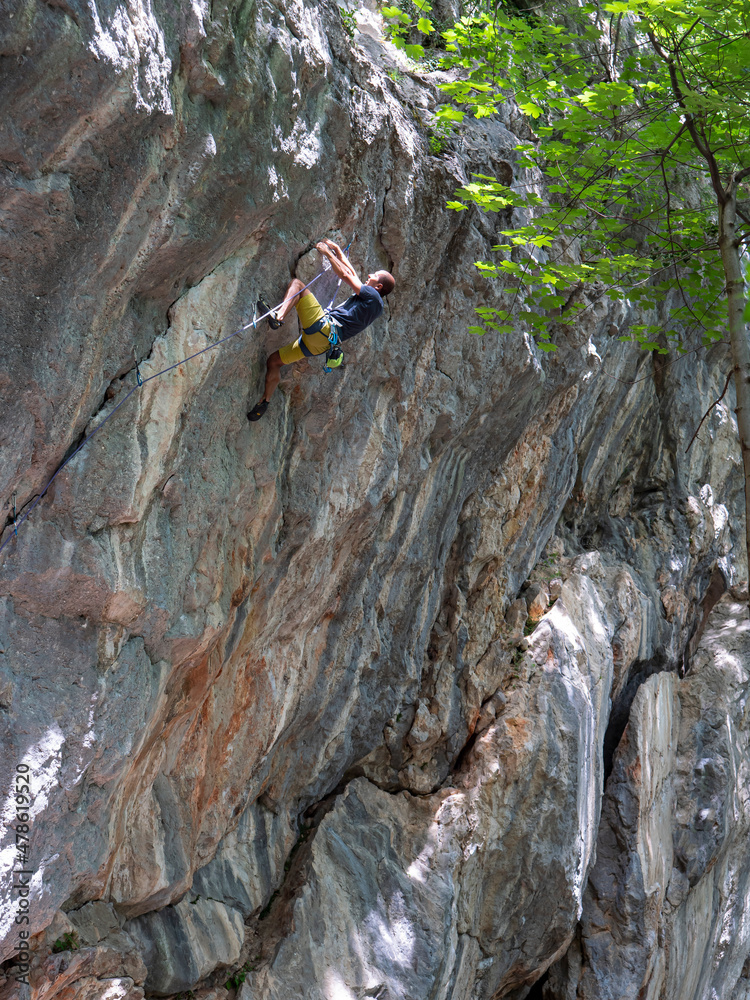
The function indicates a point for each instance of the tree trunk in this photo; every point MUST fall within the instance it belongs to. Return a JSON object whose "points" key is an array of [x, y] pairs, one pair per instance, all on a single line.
{"points": [[738, 337]]}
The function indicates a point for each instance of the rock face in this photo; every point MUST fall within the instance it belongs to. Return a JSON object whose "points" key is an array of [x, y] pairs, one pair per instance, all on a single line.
{"points": [[204, 933], [665, 908], [436, 905], [282, 724]]}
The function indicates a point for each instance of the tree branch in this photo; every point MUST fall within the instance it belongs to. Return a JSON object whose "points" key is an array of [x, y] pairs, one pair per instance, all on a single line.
{"points": [[716, 403], [705, 152], [671, 241]]}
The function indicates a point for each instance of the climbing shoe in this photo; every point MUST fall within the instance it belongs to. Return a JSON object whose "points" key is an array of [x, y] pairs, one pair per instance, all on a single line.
{"points": [[258, 410], [273, 322]]}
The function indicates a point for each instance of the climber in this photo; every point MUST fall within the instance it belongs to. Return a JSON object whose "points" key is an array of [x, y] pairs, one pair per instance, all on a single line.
{"points": [[348, 319]]}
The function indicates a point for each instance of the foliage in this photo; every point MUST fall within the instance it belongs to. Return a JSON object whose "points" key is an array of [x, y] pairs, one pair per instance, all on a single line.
{"points": [[349, 20], [623, 109], [68, 942], [238, 978], [439, 132], [436, 144], [404, 21], [548, 569], [637, 111]]}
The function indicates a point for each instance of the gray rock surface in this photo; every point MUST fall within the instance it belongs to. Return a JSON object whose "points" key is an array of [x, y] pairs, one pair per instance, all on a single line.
{"points": [[245, 870], [67, 964], [182, 944], [429, 872], [283, 658], [665, 910]]}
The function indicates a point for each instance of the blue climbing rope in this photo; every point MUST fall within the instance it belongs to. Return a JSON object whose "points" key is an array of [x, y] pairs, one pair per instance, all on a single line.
{"points": [[338, 286], [141, 382], [333, 329]]}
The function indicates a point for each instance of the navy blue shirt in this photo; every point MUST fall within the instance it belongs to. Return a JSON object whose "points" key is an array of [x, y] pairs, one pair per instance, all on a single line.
{"points": [[358, 311]]}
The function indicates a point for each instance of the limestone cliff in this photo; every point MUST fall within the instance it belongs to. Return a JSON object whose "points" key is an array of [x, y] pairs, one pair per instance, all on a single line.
{"points": [[282, 725]]}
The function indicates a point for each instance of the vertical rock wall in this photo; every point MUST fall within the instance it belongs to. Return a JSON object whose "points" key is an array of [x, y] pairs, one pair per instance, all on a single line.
{"points": [[665, 909], [270, 681]]}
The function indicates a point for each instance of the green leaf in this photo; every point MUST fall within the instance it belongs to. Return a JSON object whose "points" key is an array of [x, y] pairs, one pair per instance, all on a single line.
{"points": [[425, 25], [530, 109], [446, 113]]}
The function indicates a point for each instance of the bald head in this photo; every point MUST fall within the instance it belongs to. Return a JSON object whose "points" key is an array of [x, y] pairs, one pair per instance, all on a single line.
{"points": [[386, 279]]}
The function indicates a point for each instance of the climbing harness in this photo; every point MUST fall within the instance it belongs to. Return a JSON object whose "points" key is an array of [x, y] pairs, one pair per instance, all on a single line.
{"points": [[334, 354], [140, 382]]}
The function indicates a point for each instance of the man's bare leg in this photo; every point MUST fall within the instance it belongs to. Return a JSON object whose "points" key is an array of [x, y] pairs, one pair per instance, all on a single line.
{"points": [[274, 364], [291, 298]]}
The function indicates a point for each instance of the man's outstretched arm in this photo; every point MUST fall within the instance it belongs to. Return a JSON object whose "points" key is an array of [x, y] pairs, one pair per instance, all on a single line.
{"points": [[340, 264]]}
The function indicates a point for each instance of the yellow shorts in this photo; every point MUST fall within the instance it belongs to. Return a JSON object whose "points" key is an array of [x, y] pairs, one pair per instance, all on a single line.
{"points": [[309, 311]]}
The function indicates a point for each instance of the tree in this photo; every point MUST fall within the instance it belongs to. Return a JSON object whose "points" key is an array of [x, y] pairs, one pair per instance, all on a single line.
{"points": [[639, 122]]}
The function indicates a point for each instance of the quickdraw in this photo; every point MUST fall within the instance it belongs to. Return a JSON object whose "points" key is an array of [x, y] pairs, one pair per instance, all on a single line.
{"points": [[334, 354], [138, 375]]}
